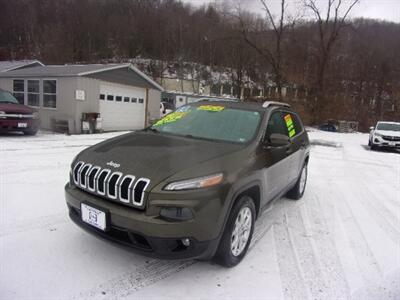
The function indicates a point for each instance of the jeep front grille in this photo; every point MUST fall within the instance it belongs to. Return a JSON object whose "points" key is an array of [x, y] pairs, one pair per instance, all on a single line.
{"points": [[112, 185]]}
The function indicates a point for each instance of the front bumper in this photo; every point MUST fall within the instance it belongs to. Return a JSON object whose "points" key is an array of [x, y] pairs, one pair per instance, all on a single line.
{"points": [[146, 234], [379, 141], [19, 125]]}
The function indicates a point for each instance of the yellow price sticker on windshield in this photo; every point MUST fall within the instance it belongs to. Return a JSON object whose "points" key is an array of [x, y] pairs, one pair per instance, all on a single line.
{"points": [[211, 107], [172, 117]]}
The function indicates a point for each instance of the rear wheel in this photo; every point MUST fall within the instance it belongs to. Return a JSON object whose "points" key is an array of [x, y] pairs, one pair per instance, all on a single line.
{"points": [[238, 232], [298, 190]]}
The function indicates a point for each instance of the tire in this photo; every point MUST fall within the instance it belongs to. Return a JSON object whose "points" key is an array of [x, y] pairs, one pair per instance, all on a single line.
{"points": [[298, 190], [369, 143], [228, 255], [30, 132]]}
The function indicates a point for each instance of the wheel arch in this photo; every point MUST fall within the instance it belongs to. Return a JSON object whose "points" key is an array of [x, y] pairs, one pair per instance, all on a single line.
{"points": [[253, 190], [306, 160]]}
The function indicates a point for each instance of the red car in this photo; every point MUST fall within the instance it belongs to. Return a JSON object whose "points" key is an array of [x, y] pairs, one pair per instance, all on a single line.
{"points": [[17, 117]]}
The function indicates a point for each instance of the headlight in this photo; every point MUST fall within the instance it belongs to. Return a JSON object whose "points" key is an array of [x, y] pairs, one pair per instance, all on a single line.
{"points": [[35, 115], [196, 183], [2, 114], [377, 134]]}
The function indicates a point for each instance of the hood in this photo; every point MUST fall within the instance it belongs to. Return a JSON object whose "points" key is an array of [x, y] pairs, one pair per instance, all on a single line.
{"points": [[153, 155], [388, 132], [16, 108]]}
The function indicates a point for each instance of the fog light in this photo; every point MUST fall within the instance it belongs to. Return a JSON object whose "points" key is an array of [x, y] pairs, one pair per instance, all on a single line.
{"points": [[185, 242], [176, 213], [376, 140]]}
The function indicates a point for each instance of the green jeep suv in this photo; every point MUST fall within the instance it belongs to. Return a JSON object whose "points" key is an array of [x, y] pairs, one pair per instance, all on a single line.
{"points": [[192, 184]]}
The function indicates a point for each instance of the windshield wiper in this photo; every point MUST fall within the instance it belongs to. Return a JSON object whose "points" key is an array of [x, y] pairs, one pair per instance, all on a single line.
{"points": [[198, 138]]}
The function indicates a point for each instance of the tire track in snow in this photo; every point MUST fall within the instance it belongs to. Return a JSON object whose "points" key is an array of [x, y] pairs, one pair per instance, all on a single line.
{"points": [[368, 266], [307, 255], [376, 283], [319, 224], [293, 283], [387, 220], [267, 219], [382, 193], [128, 283], [156, 270]]}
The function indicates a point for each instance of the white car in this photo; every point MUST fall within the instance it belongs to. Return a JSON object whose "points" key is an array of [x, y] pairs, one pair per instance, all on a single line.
{"points": [[385, 135], [165, 109]]}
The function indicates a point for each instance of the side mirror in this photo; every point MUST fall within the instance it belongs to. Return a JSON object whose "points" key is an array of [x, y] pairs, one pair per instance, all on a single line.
{"points": [[278, 140], [371, 128]]}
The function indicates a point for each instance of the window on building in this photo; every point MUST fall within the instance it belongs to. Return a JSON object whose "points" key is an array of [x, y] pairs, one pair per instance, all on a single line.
{"points": [[141, 101], [126, 99], [110, 97], [19, 90], [33, 92], [50, 93], [134, 100], [102, 97], [118, 98]]}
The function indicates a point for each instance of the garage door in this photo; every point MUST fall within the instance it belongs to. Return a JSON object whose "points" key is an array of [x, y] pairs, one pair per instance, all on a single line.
{"points": [[122, 108]]}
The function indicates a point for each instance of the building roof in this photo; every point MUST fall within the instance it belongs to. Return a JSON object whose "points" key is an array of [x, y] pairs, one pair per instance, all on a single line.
{"points": [[90, 70], [62, 70], [9, 65]]}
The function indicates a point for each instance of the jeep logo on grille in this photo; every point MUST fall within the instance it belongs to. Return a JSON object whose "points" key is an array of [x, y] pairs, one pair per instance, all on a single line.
{"points": [[113, 164]]}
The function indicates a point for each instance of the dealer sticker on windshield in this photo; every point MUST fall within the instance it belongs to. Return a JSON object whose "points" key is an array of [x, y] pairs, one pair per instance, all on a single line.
{"points": [[172, 117], [211, 107]]}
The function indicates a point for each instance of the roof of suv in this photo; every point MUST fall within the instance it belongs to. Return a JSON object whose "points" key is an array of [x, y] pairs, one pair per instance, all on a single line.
{"points": [[239, 105], [388, 122]]}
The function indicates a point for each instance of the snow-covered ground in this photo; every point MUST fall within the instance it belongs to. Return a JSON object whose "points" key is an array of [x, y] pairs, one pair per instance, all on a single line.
{"points": [[341, 240]]}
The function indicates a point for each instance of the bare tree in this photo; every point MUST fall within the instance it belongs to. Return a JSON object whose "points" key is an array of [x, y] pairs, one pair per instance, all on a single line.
{"points": [[273, 55], [329, 28]]}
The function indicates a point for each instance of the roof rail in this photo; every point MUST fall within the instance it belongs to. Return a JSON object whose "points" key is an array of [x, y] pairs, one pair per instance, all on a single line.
{"points": [[267, 104]]}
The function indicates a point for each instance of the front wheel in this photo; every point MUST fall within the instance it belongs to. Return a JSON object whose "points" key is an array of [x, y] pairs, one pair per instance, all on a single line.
{"points": [[238, 232], [298, 190]]}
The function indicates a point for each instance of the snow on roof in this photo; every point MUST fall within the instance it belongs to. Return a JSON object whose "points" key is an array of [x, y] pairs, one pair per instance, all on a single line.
{"points": [[76, 70], [9, 65], [63, 70]]}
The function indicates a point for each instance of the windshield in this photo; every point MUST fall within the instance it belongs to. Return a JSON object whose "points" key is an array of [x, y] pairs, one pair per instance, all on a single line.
{"points": [[213, 122], [388, 126], [6, 97]]}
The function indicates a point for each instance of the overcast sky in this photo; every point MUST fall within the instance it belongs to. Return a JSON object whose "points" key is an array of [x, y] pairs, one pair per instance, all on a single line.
{"points": [[378, 9]]}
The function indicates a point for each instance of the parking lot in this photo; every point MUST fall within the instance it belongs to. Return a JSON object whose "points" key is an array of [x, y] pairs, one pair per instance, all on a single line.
{"points": [[341, 240]]}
